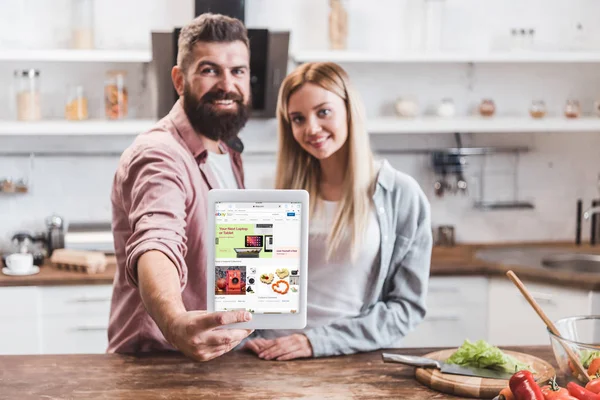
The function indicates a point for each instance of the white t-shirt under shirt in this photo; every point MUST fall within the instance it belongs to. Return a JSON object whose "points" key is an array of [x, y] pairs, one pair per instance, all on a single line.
{"points": [[220, 165], [339, 287]]}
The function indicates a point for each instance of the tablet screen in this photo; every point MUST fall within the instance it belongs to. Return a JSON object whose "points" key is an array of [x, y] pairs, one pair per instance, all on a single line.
{"points": [[257, 257]]}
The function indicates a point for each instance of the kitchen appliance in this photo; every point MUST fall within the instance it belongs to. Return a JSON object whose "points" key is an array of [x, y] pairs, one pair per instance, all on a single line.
{"points": [[56, 234], [234, 281], [268, 61], [232, 8], [90, 236], [452, 369]]}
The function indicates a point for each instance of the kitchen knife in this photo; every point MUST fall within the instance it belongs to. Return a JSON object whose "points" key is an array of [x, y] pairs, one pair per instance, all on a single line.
{"points": [[453, 369]]}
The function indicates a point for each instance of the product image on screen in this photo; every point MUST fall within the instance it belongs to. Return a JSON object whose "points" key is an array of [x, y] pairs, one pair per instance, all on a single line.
{"points": [[254, 241], [257, 247]]}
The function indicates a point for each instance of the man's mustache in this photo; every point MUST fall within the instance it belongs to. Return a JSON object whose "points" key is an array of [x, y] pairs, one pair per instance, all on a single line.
{"points": [[209, 97]]}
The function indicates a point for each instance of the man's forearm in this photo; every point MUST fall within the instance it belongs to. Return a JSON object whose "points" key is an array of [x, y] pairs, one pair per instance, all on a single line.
{"points": [[160, 289]]}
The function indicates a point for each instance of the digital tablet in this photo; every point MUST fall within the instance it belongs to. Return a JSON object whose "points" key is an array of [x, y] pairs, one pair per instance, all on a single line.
{"points": [[257, 256]]}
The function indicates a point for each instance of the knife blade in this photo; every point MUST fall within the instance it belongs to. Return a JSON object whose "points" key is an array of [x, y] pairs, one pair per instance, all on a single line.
{"points": [[422, 362]]}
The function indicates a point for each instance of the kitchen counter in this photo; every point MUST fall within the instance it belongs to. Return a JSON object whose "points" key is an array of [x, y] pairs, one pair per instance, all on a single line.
{"points": [[446, 261], [462, 260], [233, 376], [49, 275]]}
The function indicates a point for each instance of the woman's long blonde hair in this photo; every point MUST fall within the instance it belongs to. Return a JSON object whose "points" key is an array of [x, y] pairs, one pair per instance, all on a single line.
{"points": [[297, 169]]}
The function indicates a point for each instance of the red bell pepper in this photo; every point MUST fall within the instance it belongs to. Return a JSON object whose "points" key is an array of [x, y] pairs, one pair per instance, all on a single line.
{"points": [[580, 392], [524, 387]]}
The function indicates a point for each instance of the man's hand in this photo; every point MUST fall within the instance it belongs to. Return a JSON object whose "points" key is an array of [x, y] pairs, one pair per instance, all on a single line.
{"points": [[286, 348], [194, 333]]}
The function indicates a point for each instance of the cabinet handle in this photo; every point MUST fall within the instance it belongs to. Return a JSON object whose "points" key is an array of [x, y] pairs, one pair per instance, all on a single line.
{"points": [[91, 300], [86, 328]]}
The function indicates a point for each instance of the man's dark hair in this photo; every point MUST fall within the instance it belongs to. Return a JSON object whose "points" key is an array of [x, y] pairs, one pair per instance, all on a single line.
{"points": [[209, 28]]}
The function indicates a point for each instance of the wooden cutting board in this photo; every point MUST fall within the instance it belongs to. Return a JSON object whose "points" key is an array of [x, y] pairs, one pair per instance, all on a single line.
{"points": [[473, 387]]}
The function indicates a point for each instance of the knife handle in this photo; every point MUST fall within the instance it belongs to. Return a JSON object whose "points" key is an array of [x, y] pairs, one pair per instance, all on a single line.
{"points": [[421, 362]]}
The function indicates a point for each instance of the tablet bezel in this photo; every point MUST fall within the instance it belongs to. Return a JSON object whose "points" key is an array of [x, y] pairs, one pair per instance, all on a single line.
{"points": [[261, 321]]}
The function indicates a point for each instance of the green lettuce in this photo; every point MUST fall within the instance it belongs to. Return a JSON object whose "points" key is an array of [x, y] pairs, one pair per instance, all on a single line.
{"points": [[586, 357], [483, 355]]}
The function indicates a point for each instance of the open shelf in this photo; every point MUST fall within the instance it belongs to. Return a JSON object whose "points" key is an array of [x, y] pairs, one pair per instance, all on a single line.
{"points": [[393, 125], [342, 56], [71, 55], [76, 128]]}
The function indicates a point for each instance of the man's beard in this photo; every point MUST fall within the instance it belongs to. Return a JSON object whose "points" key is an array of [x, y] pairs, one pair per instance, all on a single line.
{"points": [[215, 124]]}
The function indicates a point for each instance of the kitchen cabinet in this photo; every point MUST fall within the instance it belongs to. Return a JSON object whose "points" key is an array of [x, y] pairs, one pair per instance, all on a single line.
{"points": [[20, 323], [54, 319], [456, 310], [511, 319]]}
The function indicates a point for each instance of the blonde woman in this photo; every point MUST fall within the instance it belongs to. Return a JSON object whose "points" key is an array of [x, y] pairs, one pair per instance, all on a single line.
{"points": [[370, 234]]}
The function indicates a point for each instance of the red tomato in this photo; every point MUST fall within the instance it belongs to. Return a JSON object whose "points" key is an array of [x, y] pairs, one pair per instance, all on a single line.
{"points": [[593, 385]]}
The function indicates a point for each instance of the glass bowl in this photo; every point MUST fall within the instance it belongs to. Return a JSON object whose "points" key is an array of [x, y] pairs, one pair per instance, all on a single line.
{"points": [[582, 335]]}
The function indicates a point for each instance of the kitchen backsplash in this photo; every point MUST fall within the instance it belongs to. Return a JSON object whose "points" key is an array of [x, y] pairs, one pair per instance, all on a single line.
{"points": [[559, 169]]}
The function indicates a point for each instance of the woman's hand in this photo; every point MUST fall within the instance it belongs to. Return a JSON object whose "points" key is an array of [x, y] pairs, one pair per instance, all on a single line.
{"points": [[286, 348], [258, 345]]}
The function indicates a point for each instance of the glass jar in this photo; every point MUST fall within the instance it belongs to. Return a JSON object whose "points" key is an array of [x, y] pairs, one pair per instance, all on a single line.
{"points": [[487, 108], [82, 31], [338, 25], [115, 95], [572, 109], [27, 84], [76, 108], [537, 109]]}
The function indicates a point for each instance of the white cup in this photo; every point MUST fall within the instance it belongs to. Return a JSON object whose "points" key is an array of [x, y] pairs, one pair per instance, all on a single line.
{"points": [[19, 262]]}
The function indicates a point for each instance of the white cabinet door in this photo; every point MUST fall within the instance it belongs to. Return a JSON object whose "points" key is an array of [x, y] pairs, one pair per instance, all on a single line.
{"points": [[456, 310], [512, 321], [74, 334], [74, 319], [19, 329]]}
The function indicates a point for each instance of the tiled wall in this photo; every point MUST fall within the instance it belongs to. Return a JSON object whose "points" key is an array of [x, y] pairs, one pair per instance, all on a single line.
{"points": [[559, 169]]}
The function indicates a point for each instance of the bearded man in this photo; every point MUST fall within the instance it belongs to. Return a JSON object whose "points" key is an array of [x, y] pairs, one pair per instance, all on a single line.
{"points": [[159, 200]]}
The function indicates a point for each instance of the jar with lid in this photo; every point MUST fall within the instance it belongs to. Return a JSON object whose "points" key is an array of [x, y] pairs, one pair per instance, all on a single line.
{"points": [[537, 109], [487, 108], [76, 108], [82, 31], [115, 95], [27, 84], [572, 109]]}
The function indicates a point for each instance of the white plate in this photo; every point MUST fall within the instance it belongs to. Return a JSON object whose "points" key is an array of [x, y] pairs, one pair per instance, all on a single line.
{"points": [[32, 271]]}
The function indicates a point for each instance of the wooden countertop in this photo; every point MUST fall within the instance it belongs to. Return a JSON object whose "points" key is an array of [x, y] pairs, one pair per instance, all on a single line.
{"points": [[459, 260], [233, 376], [49, 275], [462, 260]]}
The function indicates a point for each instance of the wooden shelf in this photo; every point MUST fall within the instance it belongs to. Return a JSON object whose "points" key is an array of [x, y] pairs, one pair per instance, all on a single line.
{"points": [[76, 128], [449, 57], [70, 55]]}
